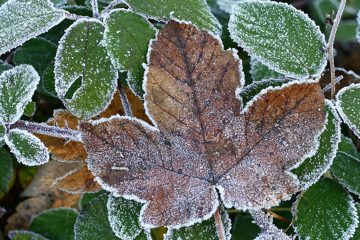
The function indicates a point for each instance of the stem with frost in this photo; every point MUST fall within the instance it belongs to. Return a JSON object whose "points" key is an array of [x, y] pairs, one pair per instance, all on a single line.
{"points": [[124, 100], [53, 131], [111, 6], [330, 46], [219, 225], [74, 17], [95, 8]]}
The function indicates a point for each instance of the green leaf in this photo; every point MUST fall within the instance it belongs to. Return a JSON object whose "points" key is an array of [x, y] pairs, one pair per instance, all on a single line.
{"points": [[348, 105], [244, 228], [21, 20], [279, 36], [260, 71], [325, 211], [346, 31], [93, 223], [27, 148], [7, 173], [4, 66], [17, 86], [82, 62], [30, 109], [311, 169], [346, 168], [127, 38], [2, 133], [195, 11], [250, 91], [88, 197], [55, 224], [25, 235], [124, 216], [40, 53], [205, 230]]}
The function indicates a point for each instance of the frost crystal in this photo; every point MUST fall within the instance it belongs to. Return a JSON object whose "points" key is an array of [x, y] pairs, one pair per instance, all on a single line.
{"points": [[27, 148], [21, 20], [17, 87]]}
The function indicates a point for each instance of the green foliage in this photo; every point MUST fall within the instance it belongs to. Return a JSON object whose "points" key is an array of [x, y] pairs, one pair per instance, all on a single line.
{"points": [[82, 62], [128, 44], [346, 166], [279, 36], [7, 172], [40, 53], [30, 109], [55, 224], [325, 211], [21, 20], [17, 86], [25, 235], [195, 11], [4, 66], [260, 71], [244, 228]]}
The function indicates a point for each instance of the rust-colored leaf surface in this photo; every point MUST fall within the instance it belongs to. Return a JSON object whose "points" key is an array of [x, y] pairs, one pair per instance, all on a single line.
{"points": [[59, 148], [78, 181], [204, 143]]}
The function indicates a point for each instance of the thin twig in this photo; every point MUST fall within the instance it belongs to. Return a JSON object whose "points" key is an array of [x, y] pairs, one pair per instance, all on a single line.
{"points": [[330, 46], [75, 17], [41, 128], [124, 100], [110, 7], [95, 8], [219, 225]]}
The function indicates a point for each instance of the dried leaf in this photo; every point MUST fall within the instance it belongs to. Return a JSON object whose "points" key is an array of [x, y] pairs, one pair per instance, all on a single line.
{"points": [[59, 148], [78, 181], [203, 141], [42, 195]]}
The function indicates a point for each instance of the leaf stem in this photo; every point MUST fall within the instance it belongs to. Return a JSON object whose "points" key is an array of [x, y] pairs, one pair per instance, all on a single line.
{"points": [[95, 8], [124, 100], [219, 225], [330, 46], [110, 7], [74, 17], [53, 131]]}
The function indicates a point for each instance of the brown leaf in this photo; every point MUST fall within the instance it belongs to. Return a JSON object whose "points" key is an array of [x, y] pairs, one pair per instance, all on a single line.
{"points": [[59, 148], [203, 142], [115, 107], [78, 181], [42, 194]]}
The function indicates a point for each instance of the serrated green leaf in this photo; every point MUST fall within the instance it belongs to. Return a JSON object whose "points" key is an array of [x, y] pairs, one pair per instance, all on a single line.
{"points": [[311, 169], [4, 66], [40, 53], [205, 230], [124, 216], [30, 109], [127, 37], [250, 91], [21, 20], [25, 235], [93, 223], [325, 211], [17, 86], [348, 105], [244, 228], [6, 172], [346, 167], [81, 59], [27, 148], [279, 36], [260, 71], [55, 224], [195, 11]]}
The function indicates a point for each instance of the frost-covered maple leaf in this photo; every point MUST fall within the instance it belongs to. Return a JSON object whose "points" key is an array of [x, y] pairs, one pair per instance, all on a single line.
{"points": [[204, 146]]}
